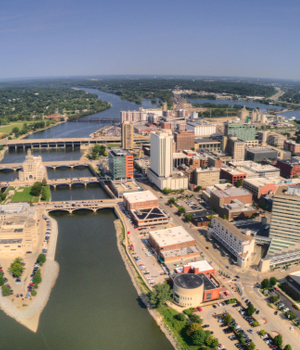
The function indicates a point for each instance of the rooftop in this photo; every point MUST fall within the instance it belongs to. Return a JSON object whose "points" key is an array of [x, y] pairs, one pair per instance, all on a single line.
{"points": [[188, 280], [207, 170], [260, 149], [19, 208], [231, 192], [170, 236], [120, 152], [262, 181], [234, 230], [140, 196], [202, 265], [206, 140]]}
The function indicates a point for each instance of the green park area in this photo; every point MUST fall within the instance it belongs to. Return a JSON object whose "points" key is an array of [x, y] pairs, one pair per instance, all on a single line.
{"points": [[32, 193], [8, 128]]}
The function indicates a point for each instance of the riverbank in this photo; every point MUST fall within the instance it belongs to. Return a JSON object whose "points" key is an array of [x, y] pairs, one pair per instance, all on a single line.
{"points": [[30, 316], [141, 289], [42, 129]]}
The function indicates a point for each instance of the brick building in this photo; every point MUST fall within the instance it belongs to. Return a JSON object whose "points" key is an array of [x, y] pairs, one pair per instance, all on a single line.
{"points": [[291, 146], [184, 140], [173, 244], [233, 175], [289, 168], [140, 200]]}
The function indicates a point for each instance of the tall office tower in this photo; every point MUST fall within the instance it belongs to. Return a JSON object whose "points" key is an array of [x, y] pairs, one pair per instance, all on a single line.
{"points": [[120, 163], [161, 156], [244, 132], [127, 135]]}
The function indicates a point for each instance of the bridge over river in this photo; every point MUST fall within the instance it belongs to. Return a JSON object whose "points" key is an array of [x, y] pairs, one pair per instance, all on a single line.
{"points": [[64, 142], [91, 205], [51, 164]]}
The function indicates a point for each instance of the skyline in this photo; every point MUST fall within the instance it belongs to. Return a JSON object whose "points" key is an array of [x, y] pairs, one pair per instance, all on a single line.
{"points": [[195, 38]]}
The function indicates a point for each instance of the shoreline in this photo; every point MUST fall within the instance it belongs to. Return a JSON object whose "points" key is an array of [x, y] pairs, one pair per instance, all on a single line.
{"points": [[133, 276], [30, 316]]}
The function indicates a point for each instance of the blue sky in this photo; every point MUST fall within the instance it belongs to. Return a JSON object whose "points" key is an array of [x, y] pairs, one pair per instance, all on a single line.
{"points": [[193, 37]]}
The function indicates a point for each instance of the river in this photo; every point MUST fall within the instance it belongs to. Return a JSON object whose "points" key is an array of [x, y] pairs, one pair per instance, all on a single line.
{"points": [[262, 106], [82, 129], [93, 304]]}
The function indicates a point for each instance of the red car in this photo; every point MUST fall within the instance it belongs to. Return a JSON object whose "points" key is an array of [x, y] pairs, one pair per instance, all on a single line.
{"points": [[128, 232], [199, 308], [31, 284]]}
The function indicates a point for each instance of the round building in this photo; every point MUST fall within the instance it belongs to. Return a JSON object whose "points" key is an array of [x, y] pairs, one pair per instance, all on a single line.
{"points": [[188, 289]]}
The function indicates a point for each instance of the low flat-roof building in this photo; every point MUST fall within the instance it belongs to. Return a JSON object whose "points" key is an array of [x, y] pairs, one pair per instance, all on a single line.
{"points": [[254, 170], [258, 154], [238, 244], [262, 186], [206, 177], [207, 143], [291, 146], [232, 174], [18, 229], [289, 168], [173, 244], [202, 217]]}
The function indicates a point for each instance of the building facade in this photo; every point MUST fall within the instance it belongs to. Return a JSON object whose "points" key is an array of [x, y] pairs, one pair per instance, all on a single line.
{"points": [[120, 163], [184, 140], [127, 135], [201, 129], [243, 132], [33, 169], [206, 177]]}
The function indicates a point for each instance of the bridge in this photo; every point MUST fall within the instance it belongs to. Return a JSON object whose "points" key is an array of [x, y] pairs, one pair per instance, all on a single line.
{"points": [[73, 206], [63, 142], [82, 181], [50, 165]]}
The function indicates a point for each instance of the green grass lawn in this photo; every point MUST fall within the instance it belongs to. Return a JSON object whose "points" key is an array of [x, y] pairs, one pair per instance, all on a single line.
{"points": [[8, 128], [24, 196]]}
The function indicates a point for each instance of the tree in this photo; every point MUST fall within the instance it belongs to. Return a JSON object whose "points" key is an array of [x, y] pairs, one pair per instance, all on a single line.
{"points": [[274, 298], [251, 346], [2, 280], [5, 291], [160, 294], [255, 324], [166, 190], [188, 217], [287, 347], [196, 319], [33, 293], [181, 210], [36, 189], [16, 267], [291, 315], [37, 279], [227, 318], [250, 310], [198, 188], [296, 176], [44, 182], [262, 332], [180, 317], [273, 281], [181, 191], [278, 340], [265, 283], [15, 130], [239, 183], [172, 201], [41, 259], [197, 334]]}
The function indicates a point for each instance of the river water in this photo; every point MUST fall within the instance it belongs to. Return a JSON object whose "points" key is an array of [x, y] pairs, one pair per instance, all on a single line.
{"points": [[262, 106], [93, 304], [82, 129]]}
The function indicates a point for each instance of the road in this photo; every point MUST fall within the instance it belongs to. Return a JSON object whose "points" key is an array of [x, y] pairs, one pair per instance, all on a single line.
{"points": [[279, 93]]}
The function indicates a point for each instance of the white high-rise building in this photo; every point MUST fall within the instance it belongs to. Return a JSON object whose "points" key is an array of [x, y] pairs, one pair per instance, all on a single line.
{"points": [[161, 156]]}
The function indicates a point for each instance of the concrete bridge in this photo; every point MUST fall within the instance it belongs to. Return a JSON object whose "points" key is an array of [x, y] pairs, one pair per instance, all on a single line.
{"points": [[63, 142], [52, 165], [90, 205], [82, 181]]}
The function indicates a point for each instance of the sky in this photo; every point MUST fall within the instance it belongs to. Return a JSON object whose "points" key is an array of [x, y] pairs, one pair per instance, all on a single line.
{"points": [[249, 38]]}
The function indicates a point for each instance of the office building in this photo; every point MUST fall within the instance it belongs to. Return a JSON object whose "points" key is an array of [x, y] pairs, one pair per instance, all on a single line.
{"points": [[289, 168], [120, 163], [291, 146], [234, 147], [261, 186], [253, 170], [206, 177], [258, 154], [207, 143], [243, 132], [184, 140], [232, 174], [173, 244], [284, 229], [161, 163], [127, 135], [241, 246], [201, 129]]}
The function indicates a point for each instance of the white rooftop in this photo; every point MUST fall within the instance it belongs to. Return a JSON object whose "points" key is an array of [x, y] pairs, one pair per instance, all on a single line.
{"points": [[170, 236], [140, 196], [202, 265]]}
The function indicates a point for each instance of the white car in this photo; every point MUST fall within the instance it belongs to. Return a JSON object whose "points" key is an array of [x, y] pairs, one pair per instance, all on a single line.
{"points": [[291, 328]]}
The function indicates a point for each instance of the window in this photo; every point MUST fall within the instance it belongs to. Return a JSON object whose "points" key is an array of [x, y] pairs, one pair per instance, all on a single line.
{"points": [[208, 296]]}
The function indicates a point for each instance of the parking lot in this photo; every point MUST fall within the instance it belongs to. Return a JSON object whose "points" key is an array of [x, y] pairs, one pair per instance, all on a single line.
{"points": [[208, 314]]}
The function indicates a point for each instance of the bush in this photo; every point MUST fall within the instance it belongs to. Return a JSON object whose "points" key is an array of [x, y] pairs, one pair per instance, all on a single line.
{"points": [[250, 310], [278, 340], [5, 291], [181, 210], [193, 327], [255, 324], [180, 317], [262, 332], [16, 268], [34, 293], [273, 281], [188, 311], [37, 277], [188, 217], [41, 259], [196, 319], [227, 319]]}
